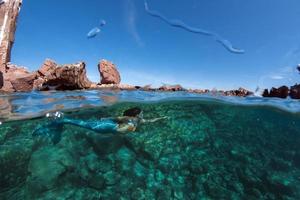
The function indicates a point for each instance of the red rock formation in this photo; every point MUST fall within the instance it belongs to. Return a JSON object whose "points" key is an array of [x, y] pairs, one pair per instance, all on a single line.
{"points": [[1, 79], [5, 108], [241, 92], [48, 68], [171, 88], [109, 73], [281, 92], [9, 11], [17, 79], [295, 91], [62, 77]]}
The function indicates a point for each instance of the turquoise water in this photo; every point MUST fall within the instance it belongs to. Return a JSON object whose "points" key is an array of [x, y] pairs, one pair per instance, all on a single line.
{"points": [[208, 148]]}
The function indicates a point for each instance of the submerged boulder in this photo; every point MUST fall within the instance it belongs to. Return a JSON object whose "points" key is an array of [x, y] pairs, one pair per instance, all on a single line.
{"points": [[47, 166], [109, 73]]}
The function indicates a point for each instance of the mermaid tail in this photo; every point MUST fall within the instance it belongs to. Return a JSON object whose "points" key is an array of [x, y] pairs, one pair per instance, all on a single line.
{"points": [[54, 128], [100, 126], [51, 130]]}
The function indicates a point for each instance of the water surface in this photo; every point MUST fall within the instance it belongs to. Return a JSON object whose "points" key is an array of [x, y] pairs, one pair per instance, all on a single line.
{"points": [[209, 148]]}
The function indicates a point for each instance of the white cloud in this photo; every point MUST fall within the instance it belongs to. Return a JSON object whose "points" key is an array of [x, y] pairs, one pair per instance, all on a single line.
{"points": [[131, 20], [276, 77]]}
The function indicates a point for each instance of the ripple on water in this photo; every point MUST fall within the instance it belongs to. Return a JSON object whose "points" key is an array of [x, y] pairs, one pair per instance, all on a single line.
{"points": [[34, 104]]}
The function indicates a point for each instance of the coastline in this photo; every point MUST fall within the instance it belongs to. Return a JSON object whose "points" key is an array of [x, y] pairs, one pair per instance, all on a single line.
{"points": [[52, 76]]}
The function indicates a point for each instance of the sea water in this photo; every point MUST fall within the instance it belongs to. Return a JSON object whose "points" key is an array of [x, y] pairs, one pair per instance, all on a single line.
{"points": [[209, 147]]}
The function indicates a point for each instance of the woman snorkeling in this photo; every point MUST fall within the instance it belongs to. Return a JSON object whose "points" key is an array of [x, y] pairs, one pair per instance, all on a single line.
{"points": [[129, 122]]}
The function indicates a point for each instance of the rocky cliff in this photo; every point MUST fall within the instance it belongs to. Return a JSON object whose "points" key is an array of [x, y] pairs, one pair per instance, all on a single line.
{"points": [[9, 11]]}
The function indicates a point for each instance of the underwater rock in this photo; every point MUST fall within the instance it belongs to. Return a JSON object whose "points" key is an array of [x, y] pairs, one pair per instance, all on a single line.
{"points": [[125, 160], [97, 182], [46, 167], [281, 184], [15, 154], [9, 12], [111, 178], [295, 91], [281, 92], [108, 72]]}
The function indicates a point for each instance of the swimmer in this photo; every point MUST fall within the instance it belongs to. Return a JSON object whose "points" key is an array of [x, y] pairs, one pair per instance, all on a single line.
{"points": [[129, 122]]}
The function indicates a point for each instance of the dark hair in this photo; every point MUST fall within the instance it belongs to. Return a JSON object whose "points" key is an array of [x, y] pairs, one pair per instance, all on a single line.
{"points": [[132, 112]]}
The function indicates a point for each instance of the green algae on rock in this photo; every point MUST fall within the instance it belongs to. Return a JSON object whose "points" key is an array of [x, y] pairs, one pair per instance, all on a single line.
{"points": [[204, 150]]}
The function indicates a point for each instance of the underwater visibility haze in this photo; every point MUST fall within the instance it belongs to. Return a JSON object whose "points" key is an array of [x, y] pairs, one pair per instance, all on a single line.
{"points": [[141, 143], [207, 148]]}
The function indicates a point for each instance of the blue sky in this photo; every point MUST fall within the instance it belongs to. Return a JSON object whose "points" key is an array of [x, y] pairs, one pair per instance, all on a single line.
{"points": [[149, 51]]}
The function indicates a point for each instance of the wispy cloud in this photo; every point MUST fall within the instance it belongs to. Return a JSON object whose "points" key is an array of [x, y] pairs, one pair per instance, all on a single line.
{"points": [[276, 77], [131, 21], [138, 77], [281, 76]]}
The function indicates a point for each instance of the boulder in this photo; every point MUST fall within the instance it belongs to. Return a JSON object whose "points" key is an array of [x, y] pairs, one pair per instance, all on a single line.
{"points": [[126, 87], [109, 73], [62, 77], [171, 88], [47, 69], [281, 92], [17, 78], [265, 93], [241, 92], [23, 83], [295, 91]]}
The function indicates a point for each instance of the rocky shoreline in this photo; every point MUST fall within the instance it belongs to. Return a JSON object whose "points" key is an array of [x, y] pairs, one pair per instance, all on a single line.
{"points": [[52, 76]]}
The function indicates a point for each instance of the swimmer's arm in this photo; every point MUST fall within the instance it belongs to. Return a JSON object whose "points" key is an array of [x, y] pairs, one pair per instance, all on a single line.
{"points": [[153, 120]]}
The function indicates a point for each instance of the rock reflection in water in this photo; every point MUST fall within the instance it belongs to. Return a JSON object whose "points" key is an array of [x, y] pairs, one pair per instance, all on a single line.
{"points": [[5, 108], [109, 99]]}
